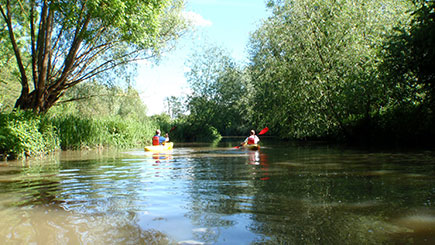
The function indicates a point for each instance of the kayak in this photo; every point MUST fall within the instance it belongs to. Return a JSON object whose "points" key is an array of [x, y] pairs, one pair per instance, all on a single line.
{"points": [[159, 148], [252, 147]]}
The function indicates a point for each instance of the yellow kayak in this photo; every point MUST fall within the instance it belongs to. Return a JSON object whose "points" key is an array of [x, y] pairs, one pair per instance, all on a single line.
{"points": [[159, 148], [252, 147]]}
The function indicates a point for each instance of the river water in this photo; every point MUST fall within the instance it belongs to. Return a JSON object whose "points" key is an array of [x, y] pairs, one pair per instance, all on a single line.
{"points": [[286, 193]]}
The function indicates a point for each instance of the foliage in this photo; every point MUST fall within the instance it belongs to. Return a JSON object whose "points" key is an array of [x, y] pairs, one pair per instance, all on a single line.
{"points": [[321, 68], [92, 115], [97, 115], [409, 57], [59, 44], [96, 99], [176, 106], [405, 125], [24, 133], [190, 130], [407, 68], [76, 132], [163, 121], [314, 64], [9, 89], [218, 87]]}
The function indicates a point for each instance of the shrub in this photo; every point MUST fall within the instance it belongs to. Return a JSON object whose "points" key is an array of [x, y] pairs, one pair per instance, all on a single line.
{"points": [[24, 133], [189, 130]]}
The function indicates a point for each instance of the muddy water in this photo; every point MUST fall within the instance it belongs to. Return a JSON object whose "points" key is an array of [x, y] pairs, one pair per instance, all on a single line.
{"points": [[200, 194]]}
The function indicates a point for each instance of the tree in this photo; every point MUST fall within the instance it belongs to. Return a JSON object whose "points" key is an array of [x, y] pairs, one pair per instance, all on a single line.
{"points": [[314, 64], [9, 90], [175, 106], [410, 57], [59, 44], [96, 100], [218, 88]]}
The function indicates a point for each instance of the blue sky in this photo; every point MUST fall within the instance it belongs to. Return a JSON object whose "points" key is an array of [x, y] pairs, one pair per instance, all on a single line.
{"points": [[226, 23]]}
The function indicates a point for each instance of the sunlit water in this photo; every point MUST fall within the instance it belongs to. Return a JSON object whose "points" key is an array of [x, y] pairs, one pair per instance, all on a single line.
{"points": [[282, 194]]}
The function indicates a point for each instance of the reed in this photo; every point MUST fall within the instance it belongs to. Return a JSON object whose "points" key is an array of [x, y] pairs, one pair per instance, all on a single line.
{"points": [[78, 132], [26, 134]]}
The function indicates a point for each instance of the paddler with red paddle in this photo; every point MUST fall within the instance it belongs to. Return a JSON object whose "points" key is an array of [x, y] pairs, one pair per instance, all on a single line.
{"points": [[253, 139], [160, 140]]}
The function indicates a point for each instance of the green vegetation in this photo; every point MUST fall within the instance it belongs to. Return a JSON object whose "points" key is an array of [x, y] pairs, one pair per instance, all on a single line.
{"points": [[353, 71], [219, 89], [99, 115], [24, 133], [53, 53], [78, 132], [115, 118], [59, 44], [315, 64]]}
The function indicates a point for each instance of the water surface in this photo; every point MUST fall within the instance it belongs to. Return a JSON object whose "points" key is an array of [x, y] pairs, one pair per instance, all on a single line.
{"points": [[200, 194]]}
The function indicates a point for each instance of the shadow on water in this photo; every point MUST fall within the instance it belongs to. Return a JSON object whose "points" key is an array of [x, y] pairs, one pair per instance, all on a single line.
{"points": [[201, 194]]}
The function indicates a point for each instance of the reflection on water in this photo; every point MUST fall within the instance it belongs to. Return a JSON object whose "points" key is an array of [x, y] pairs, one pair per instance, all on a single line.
{"points": [[219, 195]]}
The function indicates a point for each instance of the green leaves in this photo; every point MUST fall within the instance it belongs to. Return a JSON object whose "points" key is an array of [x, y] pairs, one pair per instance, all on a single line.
{"points": [[315, 63], [63, 43], [23, 133], [409, 57], [219, 89]]}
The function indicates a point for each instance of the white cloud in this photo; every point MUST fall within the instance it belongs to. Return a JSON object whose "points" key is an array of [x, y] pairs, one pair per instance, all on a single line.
{"points": [[186, 69], [196, 19], [155, 83]]}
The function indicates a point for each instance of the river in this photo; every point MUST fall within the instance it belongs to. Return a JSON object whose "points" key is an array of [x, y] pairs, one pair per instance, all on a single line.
{"points": [[285, 193]]}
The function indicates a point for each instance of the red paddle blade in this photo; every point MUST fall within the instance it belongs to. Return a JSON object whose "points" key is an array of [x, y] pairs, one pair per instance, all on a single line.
{"points": [[263, 131], [237, 147]]}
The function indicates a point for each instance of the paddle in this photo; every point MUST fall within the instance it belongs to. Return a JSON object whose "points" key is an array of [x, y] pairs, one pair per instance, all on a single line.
{"points": [[263, 131], [172, 129], [167, 135]]}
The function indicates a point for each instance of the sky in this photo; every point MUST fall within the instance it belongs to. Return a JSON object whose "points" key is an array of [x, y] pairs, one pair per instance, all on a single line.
{"points": [[225, 23]]}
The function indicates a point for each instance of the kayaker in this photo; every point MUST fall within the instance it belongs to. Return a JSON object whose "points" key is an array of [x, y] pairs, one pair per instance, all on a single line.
{"points": [[158, 139], [251, 139]]}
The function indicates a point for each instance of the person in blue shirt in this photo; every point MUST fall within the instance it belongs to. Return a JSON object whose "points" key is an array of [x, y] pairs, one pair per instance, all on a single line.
{"points": [[158, 139]]}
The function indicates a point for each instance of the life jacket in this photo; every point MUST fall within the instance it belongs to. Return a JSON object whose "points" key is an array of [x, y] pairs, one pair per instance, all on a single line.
{"points": [[156, 140], [251, 140]]}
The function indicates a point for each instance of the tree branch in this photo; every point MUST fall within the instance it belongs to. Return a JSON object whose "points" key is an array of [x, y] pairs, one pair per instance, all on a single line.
{"points": [[8, 19], [93, 96]]}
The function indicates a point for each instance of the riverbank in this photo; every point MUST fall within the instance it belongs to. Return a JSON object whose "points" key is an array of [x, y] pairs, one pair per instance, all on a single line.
{"points": [[24, 134]]}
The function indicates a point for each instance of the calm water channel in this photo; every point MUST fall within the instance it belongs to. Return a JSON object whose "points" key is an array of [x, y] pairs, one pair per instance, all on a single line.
{"points": [[282, 194]]}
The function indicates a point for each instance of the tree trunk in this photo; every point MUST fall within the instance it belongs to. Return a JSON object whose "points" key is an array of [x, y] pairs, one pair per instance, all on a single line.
{"points": [[37, 102], [47, 89]]}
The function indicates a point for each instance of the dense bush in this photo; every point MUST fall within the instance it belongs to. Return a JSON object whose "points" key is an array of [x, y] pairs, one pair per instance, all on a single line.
{"points": [[23, 133], [190, 130]]}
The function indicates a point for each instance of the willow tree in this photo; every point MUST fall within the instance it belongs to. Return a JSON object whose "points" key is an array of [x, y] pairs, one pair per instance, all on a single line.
{"points": [[410, 57], [8, 86], [314, 63], [59, 44], [218, 87]]}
